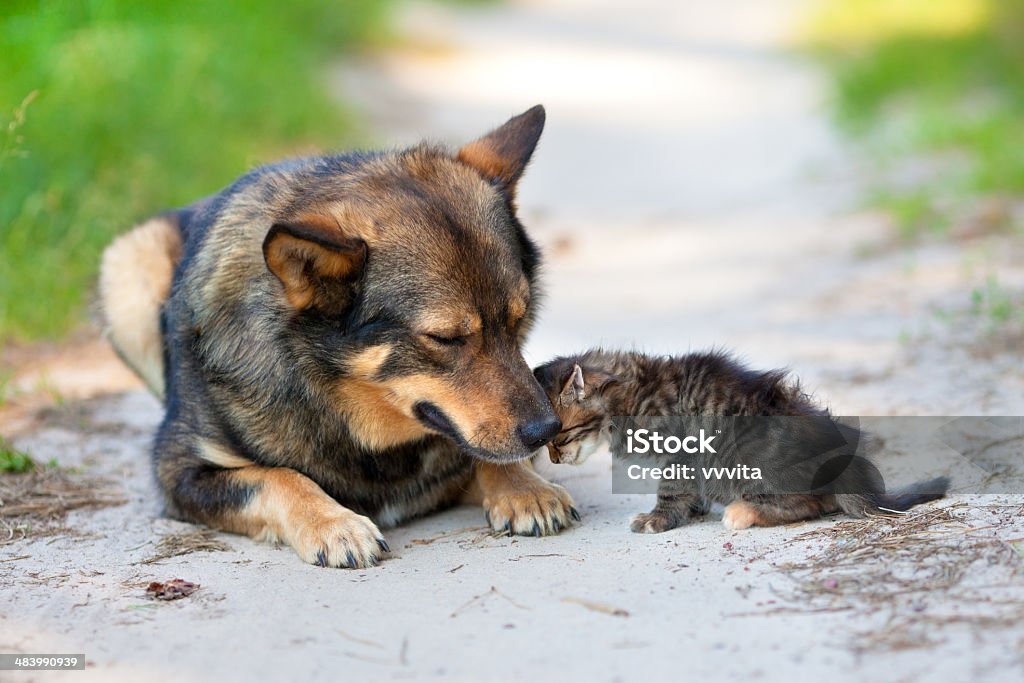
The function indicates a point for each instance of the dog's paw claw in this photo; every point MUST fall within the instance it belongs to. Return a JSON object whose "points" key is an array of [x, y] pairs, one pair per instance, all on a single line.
{"points": [[339, 539], [383, 545], [540, 509], [574, 513]]}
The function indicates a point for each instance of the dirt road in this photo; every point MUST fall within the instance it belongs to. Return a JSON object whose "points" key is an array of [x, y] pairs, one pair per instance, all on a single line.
{"points": [[689, 192]]}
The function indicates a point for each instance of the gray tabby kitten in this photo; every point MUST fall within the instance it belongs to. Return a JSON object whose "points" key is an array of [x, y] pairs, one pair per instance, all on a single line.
{"points": [[589, 389]]}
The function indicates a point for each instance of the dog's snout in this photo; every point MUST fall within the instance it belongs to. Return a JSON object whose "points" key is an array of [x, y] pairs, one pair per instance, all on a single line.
{"points": [[536, 433]]}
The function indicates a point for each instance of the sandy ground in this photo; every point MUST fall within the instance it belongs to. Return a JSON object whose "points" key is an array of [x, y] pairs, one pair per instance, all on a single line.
{"points": [[689, 192]]}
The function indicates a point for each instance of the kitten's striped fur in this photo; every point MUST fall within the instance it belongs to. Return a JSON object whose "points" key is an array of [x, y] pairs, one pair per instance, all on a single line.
{"points": [[589, 389]]}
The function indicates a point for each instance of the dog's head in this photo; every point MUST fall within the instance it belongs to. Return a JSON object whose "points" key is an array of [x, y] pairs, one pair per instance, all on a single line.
{"points": [[413, 285]]}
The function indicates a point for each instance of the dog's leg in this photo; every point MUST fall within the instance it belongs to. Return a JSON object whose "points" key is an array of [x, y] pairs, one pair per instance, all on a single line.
{"points": [[273, 504], [518, 500]]}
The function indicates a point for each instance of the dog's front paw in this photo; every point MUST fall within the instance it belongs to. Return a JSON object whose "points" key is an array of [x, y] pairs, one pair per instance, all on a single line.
{"points": [[340, 539], [538, 509], [655, 522]]}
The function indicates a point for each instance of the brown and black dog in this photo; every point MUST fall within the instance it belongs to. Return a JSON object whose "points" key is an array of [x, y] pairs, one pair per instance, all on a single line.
{"points": [[337, 341]]}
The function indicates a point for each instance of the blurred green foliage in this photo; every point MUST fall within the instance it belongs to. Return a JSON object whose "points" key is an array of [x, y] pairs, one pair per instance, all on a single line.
{"points": [[14, 461], [111, 110], [940, 79], [997, 304]]}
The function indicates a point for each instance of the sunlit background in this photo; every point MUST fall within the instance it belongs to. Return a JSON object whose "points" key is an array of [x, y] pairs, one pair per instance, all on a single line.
{"points": [[835, 187], [699, 151]]}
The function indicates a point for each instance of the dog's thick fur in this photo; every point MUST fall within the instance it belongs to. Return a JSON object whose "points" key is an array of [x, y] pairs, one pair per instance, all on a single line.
{"points": [[337, 341]]}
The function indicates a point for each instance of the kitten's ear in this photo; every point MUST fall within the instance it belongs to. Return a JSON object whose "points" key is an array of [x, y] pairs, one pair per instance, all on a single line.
{"points": [[582, 384], [573, 391]]}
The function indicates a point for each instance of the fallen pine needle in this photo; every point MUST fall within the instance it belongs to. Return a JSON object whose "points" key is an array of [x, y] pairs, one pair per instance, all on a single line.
{"points": [[185, 542], [13, 559], [899, 565], [446, 534], [361, 641], [483, 596], [597, 607], [36, 503]]}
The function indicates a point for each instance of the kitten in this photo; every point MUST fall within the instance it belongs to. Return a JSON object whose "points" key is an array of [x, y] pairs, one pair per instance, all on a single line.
{"points": [[590, 389]]}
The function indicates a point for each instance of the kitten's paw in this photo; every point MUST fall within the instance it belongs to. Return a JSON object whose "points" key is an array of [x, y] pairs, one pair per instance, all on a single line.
{"points": [[740, 514], [344, 540], [654, 522], [538, 509]]}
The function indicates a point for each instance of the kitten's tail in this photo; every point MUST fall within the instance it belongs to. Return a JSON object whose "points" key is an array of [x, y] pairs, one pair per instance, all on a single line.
{"points": [[859, 505]]}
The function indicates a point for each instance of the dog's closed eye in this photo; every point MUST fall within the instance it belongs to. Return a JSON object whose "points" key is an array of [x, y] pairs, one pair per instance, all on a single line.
{"points": [[446, 339]]}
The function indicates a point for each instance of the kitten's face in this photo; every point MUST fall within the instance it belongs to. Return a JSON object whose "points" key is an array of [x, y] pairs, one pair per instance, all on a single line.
{"points": [[577, 394]]}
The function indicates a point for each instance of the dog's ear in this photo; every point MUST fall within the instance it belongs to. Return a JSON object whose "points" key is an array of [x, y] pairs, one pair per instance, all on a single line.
{"points": [[319, 267], [502, 155]]}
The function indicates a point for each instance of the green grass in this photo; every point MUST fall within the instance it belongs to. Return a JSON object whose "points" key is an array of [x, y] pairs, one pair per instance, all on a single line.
{"points": [[13, 461], [996, 304], [111, 110], [990, 312], [933, 79]]}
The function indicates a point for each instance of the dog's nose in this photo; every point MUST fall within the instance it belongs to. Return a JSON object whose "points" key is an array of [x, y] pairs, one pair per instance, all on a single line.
{"points": [[537, 433]]}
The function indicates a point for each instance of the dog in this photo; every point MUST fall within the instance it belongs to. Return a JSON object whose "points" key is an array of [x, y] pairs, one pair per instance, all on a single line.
{"points": [[336, 340]]}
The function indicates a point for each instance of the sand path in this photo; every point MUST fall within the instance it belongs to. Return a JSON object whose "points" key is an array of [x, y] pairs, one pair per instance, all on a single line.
{"points": [[689, 192]]}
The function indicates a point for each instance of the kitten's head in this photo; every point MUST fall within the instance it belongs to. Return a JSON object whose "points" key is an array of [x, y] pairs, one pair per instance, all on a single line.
{"points": [[576, 389]]}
